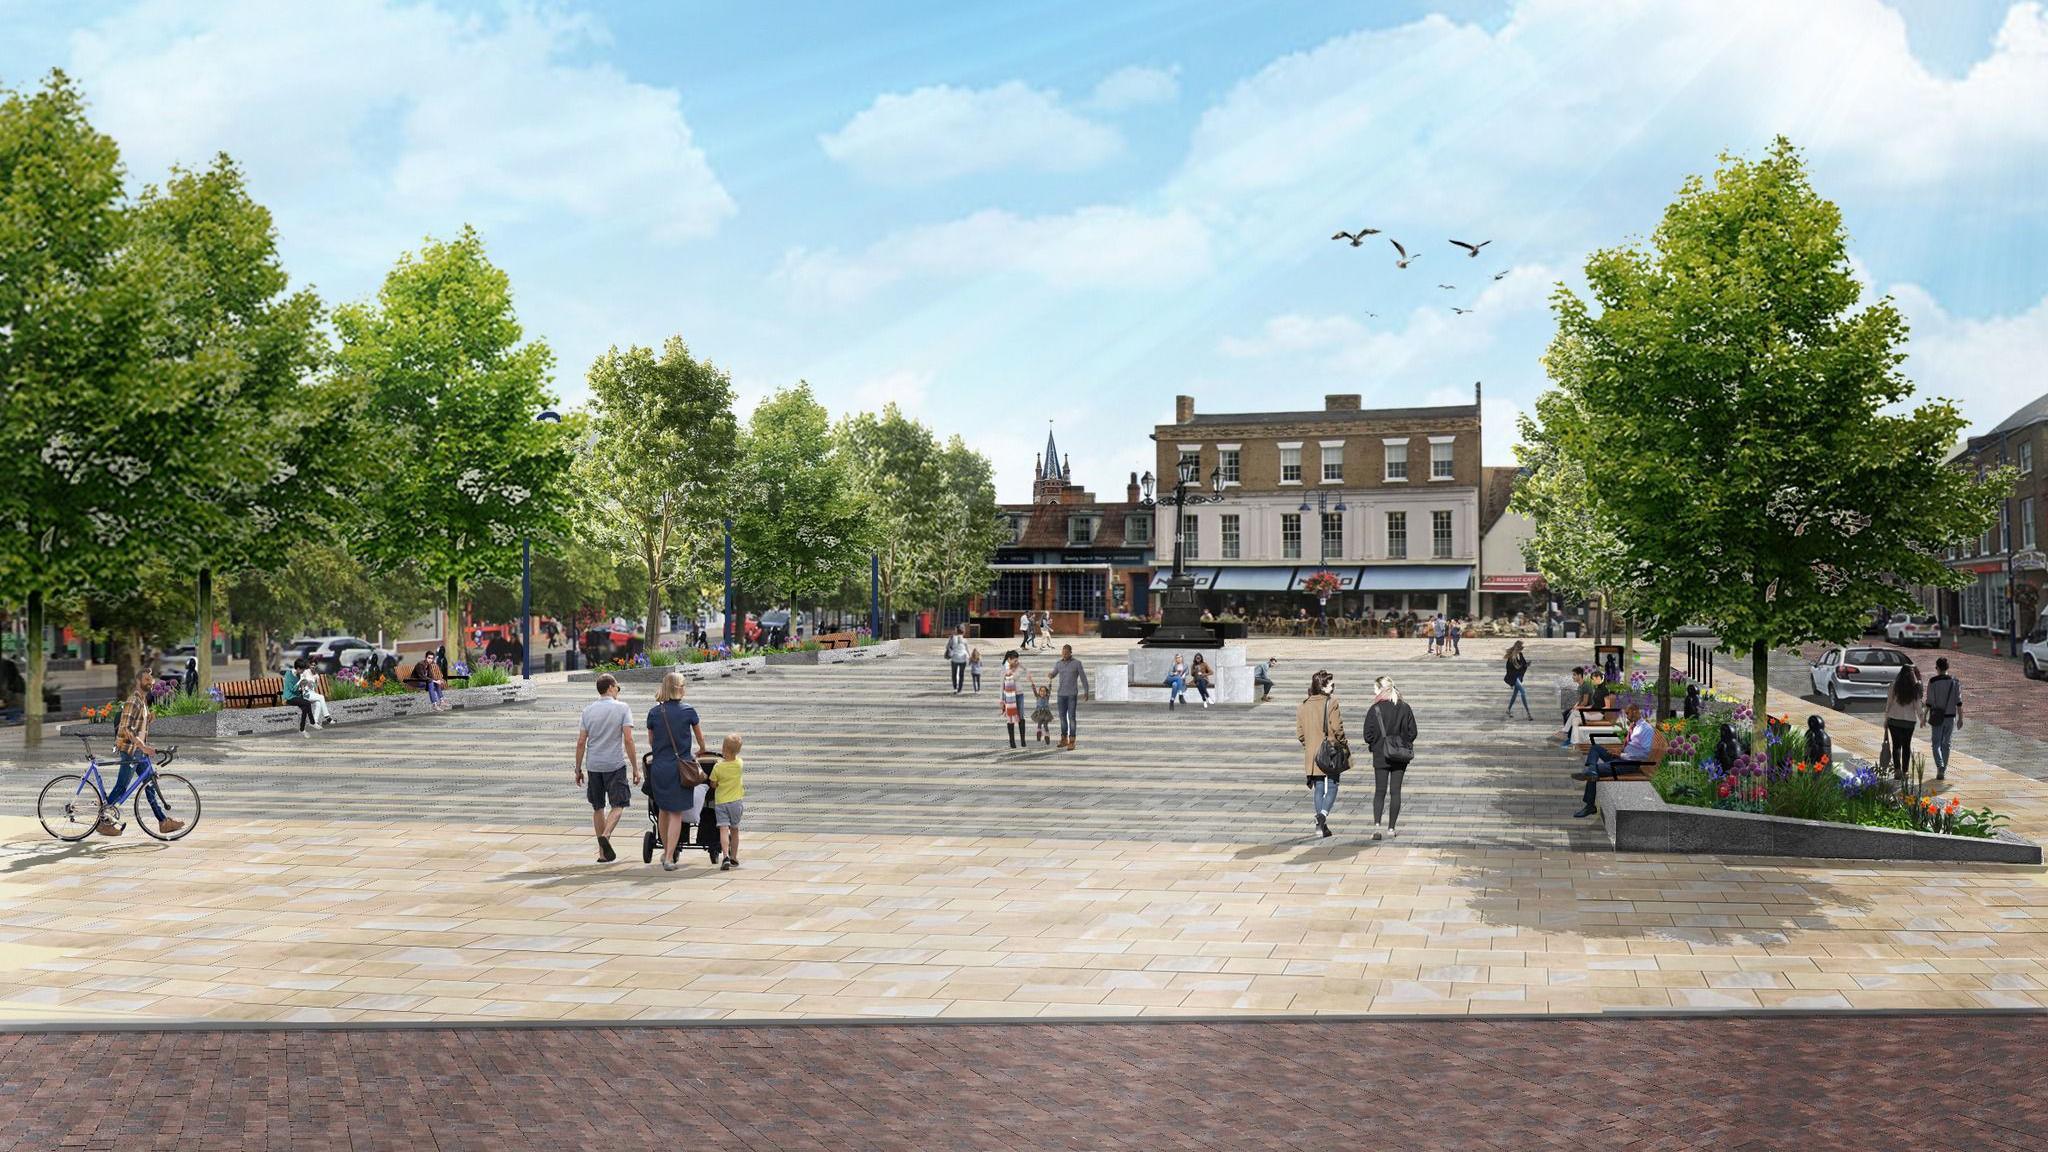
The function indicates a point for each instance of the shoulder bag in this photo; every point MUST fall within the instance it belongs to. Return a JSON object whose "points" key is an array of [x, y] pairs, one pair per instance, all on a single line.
{"points": [[1394, 747], [1333, 757], [686, 766]]}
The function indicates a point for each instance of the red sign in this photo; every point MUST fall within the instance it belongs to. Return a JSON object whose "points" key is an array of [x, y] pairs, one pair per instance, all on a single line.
{"points": [[1528, 583]]}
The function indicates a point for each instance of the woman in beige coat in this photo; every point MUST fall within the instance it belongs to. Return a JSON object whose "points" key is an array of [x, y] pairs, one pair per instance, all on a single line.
{"points": [[1316, 719]]}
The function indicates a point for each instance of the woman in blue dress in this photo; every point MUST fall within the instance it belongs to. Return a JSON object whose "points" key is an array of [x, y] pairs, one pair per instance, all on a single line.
{"points": [[670, 726]]}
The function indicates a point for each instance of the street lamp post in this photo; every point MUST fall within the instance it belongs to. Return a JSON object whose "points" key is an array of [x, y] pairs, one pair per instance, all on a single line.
{"points": [[546, 416], [1180, 618], [1321, 509]]}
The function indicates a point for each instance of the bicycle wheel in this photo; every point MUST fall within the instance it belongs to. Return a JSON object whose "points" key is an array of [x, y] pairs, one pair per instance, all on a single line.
{"points": [[69, 808], [180, 800]]}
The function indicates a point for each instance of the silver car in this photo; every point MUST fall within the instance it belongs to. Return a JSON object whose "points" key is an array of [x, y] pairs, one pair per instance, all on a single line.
{"points": [[1856, 673]]}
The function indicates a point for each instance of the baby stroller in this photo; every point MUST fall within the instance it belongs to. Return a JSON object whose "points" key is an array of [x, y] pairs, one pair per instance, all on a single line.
{"points": [[703, 834]]}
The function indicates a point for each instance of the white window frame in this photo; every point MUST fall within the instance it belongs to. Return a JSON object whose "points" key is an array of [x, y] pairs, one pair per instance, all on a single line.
{"points": [[1450, 538], [1295, 447], [1387, 464], [1236, 464], [1073, 536], [1450, 457], [1184, 450], [1285, 519], [1230, 536], [1138, 520], [2026, 457], [1403, 553], [1190, 536], [2026, 521], [1323, 461], [1324, 521]]}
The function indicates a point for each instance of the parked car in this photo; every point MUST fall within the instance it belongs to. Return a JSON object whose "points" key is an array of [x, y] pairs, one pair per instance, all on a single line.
{"points": [[330, 654], [2034, 649], [1914, 631], [1856, 673], [1874, 626], [171, 661]]}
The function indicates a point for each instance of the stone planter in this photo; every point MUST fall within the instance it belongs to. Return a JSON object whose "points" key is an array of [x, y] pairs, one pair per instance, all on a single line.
{"points": [[877, 651], [236, 722], [1127, 629], [655, 674], [1639, 820]]}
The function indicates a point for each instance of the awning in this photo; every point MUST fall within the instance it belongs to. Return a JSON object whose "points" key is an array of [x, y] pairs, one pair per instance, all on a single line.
{"points": [[1523, 583], [1205, 578], [1414, 578], [1254, 579], [1347, 578]]}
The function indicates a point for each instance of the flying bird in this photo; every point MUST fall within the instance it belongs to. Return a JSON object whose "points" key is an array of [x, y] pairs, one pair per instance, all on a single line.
{"points": [[1471, 249], [1500, 275], [1357, 237], [1405, 259], [1372, 315], [1448, 287], [1460, 311]]}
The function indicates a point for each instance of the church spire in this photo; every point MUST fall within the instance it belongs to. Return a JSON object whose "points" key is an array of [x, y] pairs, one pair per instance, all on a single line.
{"points": [[1053, 470]]}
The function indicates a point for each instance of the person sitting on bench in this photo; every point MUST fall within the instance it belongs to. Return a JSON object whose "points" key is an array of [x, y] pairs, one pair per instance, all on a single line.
{"points": [[1642, 738]]}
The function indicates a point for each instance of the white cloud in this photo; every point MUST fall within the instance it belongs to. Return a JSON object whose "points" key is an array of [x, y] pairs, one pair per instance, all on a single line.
{"points": [[904, 387], [942, 132], [1990, 366], [1095, 247], [1135, 87], [480, 117]]}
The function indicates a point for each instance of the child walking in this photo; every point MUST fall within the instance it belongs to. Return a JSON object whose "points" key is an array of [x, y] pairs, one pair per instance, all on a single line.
{"points": [[1042, 714], [728, 800], [974, 666]]}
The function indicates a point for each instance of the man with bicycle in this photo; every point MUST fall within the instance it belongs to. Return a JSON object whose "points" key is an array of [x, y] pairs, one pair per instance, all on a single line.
{"points": [[132, 742]]}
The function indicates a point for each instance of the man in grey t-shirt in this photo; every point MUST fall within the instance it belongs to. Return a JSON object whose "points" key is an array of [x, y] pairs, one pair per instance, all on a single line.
{"points": [[1070, 683], [605, 740]]}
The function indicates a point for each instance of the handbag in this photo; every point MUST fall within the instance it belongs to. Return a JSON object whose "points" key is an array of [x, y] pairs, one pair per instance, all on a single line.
{"points": [[1333, 757], [1394, 747], [686, 767]]}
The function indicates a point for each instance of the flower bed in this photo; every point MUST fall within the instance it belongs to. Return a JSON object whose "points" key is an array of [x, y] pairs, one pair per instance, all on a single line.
{"points": [[235, 722], [866, 649]]}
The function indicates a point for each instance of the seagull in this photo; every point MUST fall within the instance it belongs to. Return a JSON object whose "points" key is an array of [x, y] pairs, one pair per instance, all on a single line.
{"points": [[1500, 275], [1460, 311], [1405, 259], [1471, 249], [1448, 287], [1372, 315], [1357, 237]]}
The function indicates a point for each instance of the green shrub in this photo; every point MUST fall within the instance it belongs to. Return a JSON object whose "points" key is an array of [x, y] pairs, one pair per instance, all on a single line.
{"points": [[489, 676], [663, 659], [183, 705]]}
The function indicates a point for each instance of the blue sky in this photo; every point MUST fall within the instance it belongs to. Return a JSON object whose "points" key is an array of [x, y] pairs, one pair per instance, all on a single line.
{"points": [[1003, 214]]}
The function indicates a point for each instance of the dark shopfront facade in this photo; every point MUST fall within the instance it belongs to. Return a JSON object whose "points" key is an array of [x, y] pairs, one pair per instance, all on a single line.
{"points": [[1383, 590]]}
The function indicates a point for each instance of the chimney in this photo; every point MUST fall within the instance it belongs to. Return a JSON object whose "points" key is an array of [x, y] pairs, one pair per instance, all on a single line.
{"points": [[1131, 492], [1344, 402], [1475, 392], [1183, 409]]}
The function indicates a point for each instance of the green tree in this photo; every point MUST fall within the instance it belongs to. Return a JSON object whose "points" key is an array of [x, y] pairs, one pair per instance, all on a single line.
{"points": [[280, 432], [800, 527], [657, 467], [1743, 422], [895, 463], [320, 587], [460, 471], [966, 527]]}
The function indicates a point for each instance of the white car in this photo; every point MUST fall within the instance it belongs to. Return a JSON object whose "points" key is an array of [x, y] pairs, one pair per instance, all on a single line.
{"points": [[330, 654], [171, 661], [1913, 631], [1856, 673], [2034, 650]]}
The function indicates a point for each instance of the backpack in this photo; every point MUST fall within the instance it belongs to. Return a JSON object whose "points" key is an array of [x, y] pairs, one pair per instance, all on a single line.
{"points": [[1394, 747]]}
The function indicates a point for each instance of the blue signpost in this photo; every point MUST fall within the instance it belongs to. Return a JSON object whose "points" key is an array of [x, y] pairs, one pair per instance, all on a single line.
{"points": [[728, 582]]}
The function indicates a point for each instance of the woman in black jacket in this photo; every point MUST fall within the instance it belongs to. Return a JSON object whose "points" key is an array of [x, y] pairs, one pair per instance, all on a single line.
{"points": [[1390, 733], [1517, 669]]}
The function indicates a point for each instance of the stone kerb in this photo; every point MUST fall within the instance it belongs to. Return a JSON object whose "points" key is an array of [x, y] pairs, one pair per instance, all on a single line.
{"points": [[1639, 820], [237, 722], [655, 673], [876, 651]]}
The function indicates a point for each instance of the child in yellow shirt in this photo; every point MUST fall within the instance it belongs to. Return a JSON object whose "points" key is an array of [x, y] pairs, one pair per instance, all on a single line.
{"points": [[728, 799]]}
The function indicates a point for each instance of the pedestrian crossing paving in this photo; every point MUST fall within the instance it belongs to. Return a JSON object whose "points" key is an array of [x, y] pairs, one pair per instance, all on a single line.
{"points": [[887, 748]]}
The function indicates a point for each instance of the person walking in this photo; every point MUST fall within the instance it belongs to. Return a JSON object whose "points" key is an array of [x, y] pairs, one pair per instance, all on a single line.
{"points": [[1015, 682], [1200, 674], [1944, 714], [604, 742], [131, 740], [1326, 753], [1429, 637], [956, 655], [974, 667], [1457, 630], [673, 776], [1443, 635], [729, 799], [1390, 735], [1070, 684], [1902, 718], [1517, 670], [1024, 630], [1045, 630], [1176, 681]]}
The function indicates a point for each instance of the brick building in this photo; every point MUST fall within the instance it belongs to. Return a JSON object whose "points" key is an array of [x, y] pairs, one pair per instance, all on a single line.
{"points": [[1071, 554], [1388, 498], [2009, 555]]}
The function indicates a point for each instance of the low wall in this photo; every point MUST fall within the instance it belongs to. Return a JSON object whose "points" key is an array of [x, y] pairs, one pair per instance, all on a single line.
{"points": [[876, 651], [655, 674], [236, 722], [1639, 820]]}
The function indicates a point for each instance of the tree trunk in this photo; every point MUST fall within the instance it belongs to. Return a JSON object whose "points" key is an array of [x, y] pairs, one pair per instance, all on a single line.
{"points": [[457, 654], [1628, 644], [1664, 677], [205, 639], [32, 708], [257, 642], [653, 603], [1760, 677]]}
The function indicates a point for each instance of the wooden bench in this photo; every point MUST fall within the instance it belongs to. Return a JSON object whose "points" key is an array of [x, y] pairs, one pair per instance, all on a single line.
{"points": [[264, 692], [838, 640], [1628, 769]]}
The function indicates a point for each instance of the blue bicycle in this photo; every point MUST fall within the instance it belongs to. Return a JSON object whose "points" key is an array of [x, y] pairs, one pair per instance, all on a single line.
{"points": [[73, 805]]}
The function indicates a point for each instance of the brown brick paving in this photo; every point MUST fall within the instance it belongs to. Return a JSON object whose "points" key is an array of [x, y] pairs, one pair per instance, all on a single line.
{"points": [[1921, 1082], [1995, 688]]}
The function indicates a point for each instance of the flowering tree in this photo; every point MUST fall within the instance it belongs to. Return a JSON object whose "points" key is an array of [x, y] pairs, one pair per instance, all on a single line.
{"points": [[459, 471]]}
